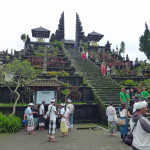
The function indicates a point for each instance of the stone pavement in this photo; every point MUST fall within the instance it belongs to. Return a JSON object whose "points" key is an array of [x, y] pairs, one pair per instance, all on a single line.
{"points": [[83, 139]]}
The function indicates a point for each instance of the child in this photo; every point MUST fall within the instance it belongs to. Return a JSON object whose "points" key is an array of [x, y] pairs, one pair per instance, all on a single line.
{"points": [[87, 55], [108, 71]]}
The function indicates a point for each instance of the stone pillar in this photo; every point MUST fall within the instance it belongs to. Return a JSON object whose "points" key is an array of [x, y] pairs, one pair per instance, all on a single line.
{"points": [[45, 61]]}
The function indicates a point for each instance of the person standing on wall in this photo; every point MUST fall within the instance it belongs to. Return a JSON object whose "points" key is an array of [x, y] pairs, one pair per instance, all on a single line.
{"points": [[52, 122], [103, 71], [41, 116], [87, 55], [83, 55], [71, 109]]}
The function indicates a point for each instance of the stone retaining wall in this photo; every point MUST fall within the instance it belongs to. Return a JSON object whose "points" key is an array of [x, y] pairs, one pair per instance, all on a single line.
{"points": [[84, 113]]}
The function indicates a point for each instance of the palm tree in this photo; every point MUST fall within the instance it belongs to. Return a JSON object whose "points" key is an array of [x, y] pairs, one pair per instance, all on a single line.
{"points": [[122, 48], [23, 37]]}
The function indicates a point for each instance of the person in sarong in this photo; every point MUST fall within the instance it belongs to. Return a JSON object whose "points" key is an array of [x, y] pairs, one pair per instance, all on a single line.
{"points": [[29, 113], [111, 112], [25, 119], [83, 55], [65, 113], [36, 116], [103, 71], [52, 122], [71, 109], [58, 117], [41, 116], [123, 115]]}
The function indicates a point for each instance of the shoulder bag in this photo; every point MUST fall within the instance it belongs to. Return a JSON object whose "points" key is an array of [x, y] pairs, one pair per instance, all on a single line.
{"points": [[129, 137], [115, 117], [121, 122]]}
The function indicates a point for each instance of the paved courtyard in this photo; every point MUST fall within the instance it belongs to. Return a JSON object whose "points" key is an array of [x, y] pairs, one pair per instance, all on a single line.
{"points": [[77, 140]]}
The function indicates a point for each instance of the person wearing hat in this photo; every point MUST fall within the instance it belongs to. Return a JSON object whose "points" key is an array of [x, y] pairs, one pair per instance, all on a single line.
{"points": [[71, 109], [29, 113], [52, 122], [65, 113], [141, 127], [122, 96]]}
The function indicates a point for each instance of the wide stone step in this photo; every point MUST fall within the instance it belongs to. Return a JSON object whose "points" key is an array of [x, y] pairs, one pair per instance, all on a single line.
{"points": [[107, 102]]}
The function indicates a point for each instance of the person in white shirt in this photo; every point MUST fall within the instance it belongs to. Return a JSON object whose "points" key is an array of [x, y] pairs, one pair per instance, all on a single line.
{"points": [[110, 112], [71, 109], [87, 55], [108, 71], [41, 116], [52, 122], [65, 113], [141, 132], [29, 113]]}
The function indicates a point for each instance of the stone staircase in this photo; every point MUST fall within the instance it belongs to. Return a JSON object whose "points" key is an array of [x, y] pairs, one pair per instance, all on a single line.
{"points": [[104, 88]]}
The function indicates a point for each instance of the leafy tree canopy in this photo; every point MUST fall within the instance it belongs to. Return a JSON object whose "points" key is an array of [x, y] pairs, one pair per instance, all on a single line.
{"points": [[122, 47], [16, 74], [23, 37], [145, 42]]}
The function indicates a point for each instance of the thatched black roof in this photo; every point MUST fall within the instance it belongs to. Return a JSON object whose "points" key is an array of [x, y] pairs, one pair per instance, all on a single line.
{"points": [[40, 32], [95, 34]]}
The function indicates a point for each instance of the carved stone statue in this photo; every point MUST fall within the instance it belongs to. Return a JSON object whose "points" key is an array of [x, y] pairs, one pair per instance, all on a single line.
{"points": [[139, 74], [113, 71]]}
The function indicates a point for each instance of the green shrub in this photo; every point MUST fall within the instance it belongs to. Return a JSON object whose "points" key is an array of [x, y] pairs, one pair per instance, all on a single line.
{"points": [[9, 124], [129, 82]]}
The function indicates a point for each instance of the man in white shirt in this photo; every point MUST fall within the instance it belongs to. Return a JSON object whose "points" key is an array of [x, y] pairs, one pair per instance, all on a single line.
{"points": [[41, 116], [29, 113], [141, 132], [52, 122], [71, 109], [65, 113]]}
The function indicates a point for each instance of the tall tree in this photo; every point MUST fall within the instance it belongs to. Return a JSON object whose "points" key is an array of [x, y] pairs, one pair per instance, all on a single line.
{"points": [[145, 42], [122, 48], [23, 37], [17, 74]]}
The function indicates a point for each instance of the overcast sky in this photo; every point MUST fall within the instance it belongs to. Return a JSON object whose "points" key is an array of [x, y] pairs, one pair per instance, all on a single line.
{"points": [[118, 20]]}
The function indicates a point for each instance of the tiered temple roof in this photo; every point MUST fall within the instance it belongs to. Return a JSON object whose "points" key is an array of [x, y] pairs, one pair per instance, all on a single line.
{"points": [[94, 36], [40, 33]]}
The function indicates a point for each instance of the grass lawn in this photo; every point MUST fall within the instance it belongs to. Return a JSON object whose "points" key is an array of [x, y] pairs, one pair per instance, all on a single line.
{"points": [[11, 104]]}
